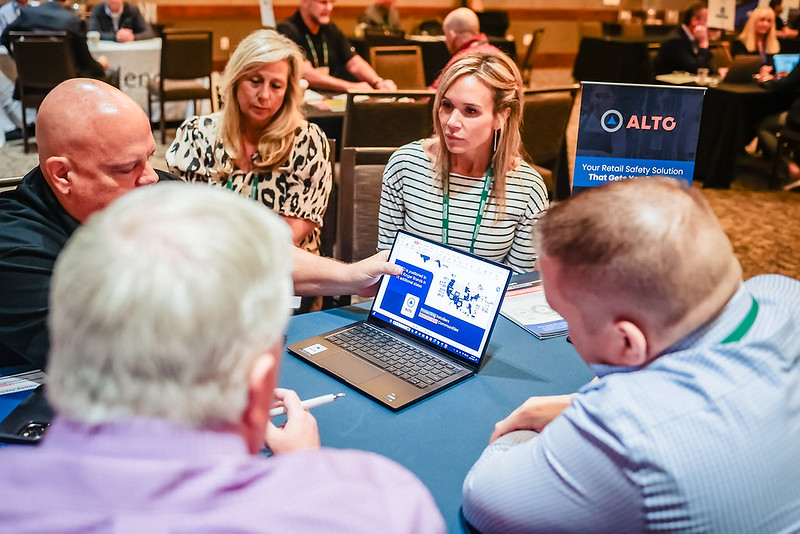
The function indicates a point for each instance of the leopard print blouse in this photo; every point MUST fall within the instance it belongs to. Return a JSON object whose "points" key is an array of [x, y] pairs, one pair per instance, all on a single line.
{"points": [[298, 188]]}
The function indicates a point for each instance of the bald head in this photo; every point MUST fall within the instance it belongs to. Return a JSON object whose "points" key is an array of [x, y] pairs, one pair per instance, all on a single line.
{"points": [[94, 145], [82, 110], [648, 247], [459, 26], [462, 20]]}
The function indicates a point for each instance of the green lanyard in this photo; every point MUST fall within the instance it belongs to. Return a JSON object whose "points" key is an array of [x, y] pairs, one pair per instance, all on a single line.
{"points": [[739, 332], [314, 51], [253, 189], [487, 185]]}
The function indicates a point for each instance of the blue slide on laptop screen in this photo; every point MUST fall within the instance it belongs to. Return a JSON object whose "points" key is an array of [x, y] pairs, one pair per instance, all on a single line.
{"points": [[428, 328], [785, 63]]}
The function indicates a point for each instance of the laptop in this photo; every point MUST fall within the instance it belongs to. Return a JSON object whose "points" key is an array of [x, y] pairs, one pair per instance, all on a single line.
{"points": [[743, 68], [784, 63], [427, 329]]}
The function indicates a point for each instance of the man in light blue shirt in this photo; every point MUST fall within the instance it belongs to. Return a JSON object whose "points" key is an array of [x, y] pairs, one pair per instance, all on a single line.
{"points": [[694, 422]]}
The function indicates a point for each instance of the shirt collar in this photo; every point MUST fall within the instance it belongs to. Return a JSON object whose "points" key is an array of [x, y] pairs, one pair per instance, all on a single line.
{"points": [[475, 41], [710, 333], [688, 32]]}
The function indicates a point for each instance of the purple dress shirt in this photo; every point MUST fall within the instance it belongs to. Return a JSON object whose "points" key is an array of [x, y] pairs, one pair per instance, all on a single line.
{"points": [[149, 476]]}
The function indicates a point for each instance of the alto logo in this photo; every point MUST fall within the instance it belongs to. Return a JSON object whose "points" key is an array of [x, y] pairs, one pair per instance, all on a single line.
{"points": [[391, 397], [611, 121]]}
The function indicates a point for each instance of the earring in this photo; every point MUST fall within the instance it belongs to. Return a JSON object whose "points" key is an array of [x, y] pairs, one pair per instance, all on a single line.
{"points": [[496, 140]]}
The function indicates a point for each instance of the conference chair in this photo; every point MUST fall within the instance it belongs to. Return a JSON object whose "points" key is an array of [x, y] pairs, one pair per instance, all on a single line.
{"points": [[44, 60], [360, 178], [493, 22], [526, 66], [8, 183], [788, 149], [185, 71], [546, 113], [402, 64], [387, 118], [379, 37]]}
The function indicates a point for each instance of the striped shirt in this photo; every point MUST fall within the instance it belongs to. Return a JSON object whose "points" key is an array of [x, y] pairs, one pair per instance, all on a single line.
{"points": [[702, 439], [412, 201]]}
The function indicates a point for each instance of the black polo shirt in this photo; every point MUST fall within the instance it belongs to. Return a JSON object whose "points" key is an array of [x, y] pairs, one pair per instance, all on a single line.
{"points": [[329, 37], [34, 229]]}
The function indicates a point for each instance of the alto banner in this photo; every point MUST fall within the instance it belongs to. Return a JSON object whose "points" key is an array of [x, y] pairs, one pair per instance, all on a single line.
{"points": [[627, 131]]}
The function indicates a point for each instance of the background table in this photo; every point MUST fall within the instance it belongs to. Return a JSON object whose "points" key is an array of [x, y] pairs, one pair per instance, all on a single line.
{"points": [[440, 438], [138, 62], [730, 114]]}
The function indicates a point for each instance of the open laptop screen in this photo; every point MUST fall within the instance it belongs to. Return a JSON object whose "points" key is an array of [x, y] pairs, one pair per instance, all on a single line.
{"points": [[445, 297], [785, 62]]}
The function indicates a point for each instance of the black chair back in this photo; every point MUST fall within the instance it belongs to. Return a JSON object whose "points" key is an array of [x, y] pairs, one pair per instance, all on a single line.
{"points": [[186, 54], [44, 60], [387, 118]]}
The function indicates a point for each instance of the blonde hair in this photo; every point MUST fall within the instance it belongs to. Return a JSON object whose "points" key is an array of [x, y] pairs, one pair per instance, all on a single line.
{"points": [[749, 37], [502, 76], [277, 138]]}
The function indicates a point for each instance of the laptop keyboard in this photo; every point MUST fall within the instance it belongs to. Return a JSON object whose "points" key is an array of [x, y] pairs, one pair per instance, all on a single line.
{"points": [[405, 361]]}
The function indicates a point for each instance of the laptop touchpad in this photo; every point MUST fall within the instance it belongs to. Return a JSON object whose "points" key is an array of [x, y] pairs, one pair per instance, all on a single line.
{"points": [[350, 367]]}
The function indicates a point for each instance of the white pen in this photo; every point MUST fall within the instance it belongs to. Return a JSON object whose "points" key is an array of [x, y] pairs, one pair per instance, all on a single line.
{"points": [[310, 403]]}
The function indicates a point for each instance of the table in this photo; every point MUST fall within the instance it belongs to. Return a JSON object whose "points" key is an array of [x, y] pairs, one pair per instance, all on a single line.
{"points": [[138, 62], [441, 437], [730, 114]]}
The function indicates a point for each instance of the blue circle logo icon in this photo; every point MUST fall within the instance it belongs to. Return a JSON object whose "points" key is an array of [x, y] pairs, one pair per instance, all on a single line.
{"points": [[611, 121]]}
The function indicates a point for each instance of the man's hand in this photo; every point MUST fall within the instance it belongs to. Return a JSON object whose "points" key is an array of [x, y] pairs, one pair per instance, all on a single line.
{"points": [[300, 430], [367, 273], [534, 414], [386, 85], [701, 34], [124, 35], [359, 86]]}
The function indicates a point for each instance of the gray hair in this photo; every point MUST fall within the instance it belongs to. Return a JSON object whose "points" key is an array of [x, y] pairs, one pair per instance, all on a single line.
{"points": [[161, 303]]}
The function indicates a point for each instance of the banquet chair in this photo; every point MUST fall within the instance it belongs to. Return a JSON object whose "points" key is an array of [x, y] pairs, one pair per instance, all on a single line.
{"points": [[44, 60], [185, 71], [387, 118], [401, 64], [10, 182], [526, 66], [546, 113], [493, 22], [360, 179]]}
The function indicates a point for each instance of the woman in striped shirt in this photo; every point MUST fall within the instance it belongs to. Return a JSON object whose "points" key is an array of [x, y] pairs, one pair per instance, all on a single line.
{"points": [[468, 185]]}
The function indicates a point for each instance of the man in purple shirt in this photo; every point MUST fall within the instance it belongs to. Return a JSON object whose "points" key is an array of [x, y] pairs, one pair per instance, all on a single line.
{"points": [[167, 316]]}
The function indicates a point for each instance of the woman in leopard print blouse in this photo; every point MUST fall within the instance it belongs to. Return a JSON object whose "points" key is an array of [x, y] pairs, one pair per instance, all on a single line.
{"points": [[259, 145]]}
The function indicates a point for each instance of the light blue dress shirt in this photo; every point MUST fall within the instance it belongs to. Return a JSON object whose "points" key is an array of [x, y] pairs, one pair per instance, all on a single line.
{"points": [[706, 438]]}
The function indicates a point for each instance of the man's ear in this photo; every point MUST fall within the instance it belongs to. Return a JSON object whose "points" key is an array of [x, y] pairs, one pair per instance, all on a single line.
{"points": [[57, 168], [630, 347]]}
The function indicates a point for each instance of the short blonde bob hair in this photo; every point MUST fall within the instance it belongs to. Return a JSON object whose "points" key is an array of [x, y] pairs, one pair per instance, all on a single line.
{"points": [[277, 139]]}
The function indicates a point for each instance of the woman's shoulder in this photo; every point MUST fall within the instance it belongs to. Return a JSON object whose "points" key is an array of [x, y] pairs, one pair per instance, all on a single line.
{"points": [[308, 136], [525, 175], [411, 154]]}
